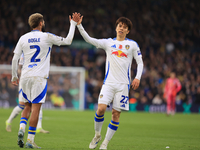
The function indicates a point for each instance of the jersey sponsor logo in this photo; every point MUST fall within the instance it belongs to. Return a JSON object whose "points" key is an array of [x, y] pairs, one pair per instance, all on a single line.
{"points": [[139, 53], [119, 54], [120, 46], [114, 46], [31, 66], [33, 40], [127, 47]]}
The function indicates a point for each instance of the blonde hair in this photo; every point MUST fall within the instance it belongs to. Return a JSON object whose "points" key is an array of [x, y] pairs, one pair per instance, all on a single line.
{"points": [[34, 20]]}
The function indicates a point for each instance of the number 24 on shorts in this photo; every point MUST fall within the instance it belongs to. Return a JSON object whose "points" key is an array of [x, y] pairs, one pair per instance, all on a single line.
{"points": [[124, 100]]}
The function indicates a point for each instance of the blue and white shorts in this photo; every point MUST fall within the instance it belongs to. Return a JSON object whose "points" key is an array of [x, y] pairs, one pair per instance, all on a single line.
{"points": [[21, 98], [33, 90], [117, 93]]}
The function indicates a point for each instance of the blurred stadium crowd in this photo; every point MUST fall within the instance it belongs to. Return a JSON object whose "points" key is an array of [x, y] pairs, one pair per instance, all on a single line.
{"points": [[167, 31]]}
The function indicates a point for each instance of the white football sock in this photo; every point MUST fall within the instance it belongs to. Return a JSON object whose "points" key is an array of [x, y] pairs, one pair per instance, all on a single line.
{"points": [[14, 114], [22, 126], [98, 127], [39, 124], [109, 134], [31, 137], [98, 122]]}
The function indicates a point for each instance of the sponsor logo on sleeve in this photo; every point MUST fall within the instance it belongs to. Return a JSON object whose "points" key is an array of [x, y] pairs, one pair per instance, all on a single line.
{"points": [[139, 52]]}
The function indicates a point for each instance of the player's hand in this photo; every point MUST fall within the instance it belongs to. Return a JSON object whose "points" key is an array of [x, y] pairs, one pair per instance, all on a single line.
{"points": [[75, 17], [16, 82], [79, 22], [135, 84]]}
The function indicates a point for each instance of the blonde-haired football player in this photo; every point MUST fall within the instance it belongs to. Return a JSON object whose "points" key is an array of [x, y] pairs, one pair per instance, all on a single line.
{"points": [[120, 51], [20, 107], [36, 47]]}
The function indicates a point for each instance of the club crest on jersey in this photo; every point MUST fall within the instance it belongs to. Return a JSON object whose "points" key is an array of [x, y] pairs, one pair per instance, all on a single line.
{"points": [[101, 96], [127, 47]]}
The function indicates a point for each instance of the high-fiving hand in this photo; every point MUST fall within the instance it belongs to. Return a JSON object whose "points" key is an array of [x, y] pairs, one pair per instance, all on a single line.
{"points": [[79, 22], [75, 17]]}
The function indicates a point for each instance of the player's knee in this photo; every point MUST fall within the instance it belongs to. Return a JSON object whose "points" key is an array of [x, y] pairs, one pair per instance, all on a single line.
{"points": [[100, 111], [115, 115]]}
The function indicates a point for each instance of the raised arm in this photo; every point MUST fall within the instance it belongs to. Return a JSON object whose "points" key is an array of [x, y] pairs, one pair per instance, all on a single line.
{"points": [[57, 40], [99, 43]]}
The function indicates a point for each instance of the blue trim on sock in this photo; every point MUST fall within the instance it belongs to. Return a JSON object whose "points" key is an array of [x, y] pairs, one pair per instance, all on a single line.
{"points": [[32, 130], [23, 120], [98, 115], [117, 123], [98, 118], [21, 106], [113, 125]]}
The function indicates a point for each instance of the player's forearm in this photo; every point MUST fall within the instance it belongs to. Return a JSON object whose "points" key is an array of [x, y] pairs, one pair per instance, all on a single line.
{"points": [[139, 68], [70, 36], [86, 37], [15, 67]]}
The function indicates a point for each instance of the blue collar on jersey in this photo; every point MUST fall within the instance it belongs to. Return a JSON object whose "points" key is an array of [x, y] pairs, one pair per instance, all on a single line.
{"points": [[35, 30], [116, 38]]}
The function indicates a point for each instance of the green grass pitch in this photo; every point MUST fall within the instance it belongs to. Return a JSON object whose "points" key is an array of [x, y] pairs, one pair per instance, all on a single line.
{"points": [[73, 130]]}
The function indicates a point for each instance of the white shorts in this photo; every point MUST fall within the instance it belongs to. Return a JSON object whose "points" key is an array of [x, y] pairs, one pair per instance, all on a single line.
{"points": [[116, 93], [21, 98], [34, 89]]}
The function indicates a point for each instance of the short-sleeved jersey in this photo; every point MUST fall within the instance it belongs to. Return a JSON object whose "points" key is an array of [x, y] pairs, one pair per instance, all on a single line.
{"points": [[119, 59], [36, 47]]}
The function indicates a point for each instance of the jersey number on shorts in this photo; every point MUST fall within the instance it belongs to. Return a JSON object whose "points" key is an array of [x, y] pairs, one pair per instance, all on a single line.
{"points": [[124, 100], [36, 53]]}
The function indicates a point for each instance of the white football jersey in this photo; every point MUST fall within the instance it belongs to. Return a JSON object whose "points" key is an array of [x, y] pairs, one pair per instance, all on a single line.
{"points": [[36, 48], [21, 60], [119, 56], [119, 59]]}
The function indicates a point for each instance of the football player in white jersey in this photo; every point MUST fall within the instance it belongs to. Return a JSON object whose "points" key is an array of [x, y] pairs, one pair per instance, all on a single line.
{"points": [[36, 47], [20, 107], [120, 51]]}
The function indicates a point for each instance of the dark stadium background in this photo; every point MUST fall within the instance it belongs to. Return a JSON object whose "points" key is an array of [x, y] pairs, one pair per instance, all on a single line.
{"points": [[167, 31]]}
